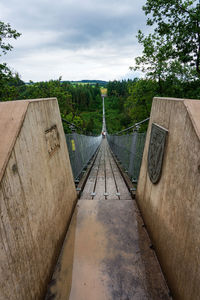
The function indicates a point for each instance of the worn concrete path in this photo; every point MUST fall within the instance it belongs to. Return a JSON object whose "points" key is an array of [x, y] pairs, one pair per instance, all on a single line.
{"points": [[106, 254]]}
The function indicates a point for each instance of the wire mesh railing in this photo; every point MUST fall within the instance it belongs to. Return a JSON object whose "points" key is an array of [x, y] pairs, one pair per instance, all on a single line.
{"points": [[129, 151], [129, 148], [81, 148]]}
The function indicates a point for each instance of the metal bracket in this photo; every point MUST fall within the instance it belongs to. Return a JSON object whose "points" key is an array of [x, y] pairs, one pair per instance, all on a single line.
{"points": [[106, 194], [117, 194], [78, 189], [93, 194], [132, 189]]}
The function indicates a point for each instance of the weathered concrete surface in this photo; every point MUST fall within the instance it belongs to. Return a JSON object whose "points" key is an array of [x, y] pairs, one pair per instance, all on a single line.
{"points": [[106, 256], [12, 117], [171, 208], [37, 195]]}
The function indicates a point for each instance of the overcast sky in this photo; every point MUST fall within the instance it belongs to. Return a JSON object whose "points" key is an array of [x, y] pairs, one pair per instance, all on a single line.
{"points": [[75, 39]]}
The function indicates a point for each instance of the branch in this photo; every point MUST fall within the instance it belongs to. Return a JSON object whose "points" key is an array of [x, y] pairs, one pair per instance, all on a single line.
{"points": [[198, 52]]}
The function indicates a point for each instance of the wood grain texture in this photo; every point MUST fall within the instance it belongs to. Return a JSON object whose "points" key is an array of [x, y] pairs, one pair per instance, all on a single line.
{"points": [[101, 179], [120, 183], [111, 187], [105, 179], [91, 181]]}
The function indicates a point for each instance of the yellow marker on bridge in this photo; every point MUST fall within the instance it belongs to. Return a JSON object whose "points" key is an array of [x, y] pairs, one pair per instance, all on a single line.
{"points": [[73, 145]]}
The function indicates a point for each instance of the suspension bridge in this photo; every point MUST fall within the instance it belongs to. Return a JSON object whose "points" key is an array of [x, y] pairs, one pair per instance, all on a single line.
{"points": [[73, 225], [111, 255]]}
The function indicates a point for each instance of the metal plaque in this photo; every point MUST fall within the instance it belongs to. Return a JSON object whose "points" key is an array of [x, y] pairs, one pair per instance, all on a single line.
{"points": [[156, 152], [52, 140]]}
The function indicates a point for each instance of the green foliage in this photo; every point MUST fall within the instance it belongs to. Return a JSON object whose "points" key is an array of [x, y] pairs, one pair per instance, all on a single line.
{"points": [[138, 104], [116, 119], [174, 45], [73, 101], [92, 121], [135, 106], [131, 107], [6, 32], [117, 88]]}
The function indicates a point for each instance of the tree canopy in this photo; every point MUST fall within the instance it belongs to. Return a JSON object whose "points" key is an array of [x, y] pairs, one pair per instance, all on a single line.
{"points": [[174, 45], [6, 32]]}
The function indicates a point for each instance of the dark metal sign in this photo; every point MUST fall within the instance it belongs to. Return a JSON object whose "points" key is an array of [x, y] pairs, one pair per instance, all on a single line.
{"points": [[156, 152]]}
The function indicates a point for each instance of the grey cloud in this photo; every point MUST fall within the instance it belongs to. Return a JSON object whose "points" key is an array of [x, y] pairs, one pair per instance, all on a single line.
{"points": [[89, 22], [73, 25]]}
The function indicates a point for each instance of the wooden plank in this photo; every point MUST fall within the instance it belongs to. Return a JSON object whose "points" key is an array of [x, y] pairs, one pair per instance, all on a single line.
{"points": [[126, 178], [106, 255], [85, 176], [121, 186], [90, 184], [100, 182], [105, 178], [110, 182]]}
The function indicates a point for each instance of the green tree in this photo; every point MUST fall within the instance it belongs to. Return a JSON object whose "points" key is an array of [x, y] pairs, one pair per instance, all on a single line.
{"points": [[138, 104], [174, 44], [6, 32]]}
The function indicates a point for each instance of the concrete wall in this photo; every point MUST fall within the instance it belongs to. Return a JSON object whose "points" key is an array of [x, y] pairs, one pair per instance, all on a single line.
{"points": [[171, 208], [37, 195]]}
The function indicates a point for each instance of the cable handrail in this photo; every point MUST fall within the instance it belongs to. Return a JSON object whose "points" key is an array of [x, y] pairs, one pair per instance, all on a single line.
{"points": [[72, 124], [135, 125]]}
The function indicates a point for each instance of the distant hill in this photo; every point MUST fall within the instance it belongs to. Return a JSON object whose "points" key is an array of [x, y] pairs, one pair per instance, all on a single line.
{"points": [[102, 83], [85, 81]]}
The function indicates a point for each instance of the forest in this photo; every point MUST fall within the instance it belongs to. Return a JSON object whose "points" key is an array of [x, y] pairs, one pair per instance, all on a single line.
{"points": [[169, 66], [79, 104], [129, 102]]}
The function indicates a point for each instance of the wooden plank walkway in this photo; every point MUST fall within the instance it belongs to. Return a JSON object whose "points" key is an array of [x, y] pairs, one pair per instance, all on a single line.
{"points": [[106, 254], [105, 181]]}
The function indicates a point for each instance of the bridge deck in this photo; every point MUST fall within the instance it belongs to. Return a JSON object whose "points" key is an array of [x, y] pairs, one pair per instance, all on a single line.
{"points": [[106, 254], [105, 181]]}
